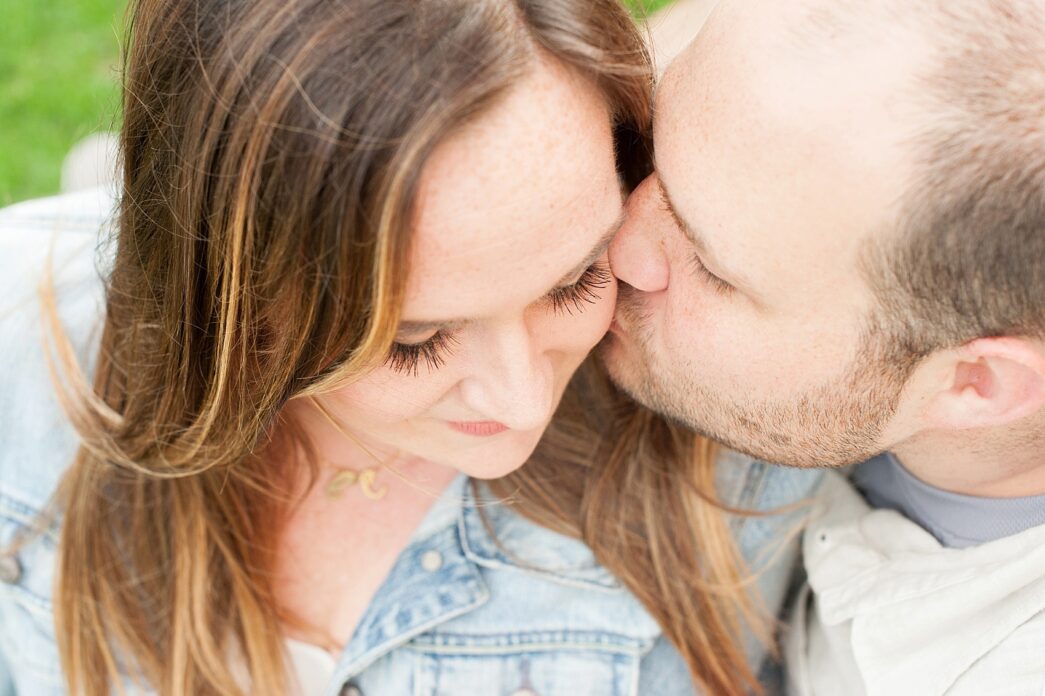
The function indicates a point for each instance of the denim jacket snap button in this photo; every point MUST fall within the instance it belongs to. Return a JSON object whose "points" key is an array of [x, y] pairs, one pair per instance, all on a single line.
{"points": [[432, 561], [350, 689], [10, 570]]}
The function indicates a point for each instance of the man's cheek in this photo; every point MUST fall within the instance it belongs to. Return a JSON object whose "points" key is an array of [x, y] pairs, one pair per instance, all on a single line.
{"points": [[689, 317]]}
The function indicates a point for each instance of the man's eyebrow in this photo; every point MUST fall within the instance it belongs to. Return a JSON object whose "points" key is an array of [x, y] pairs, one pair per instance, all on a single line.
{"points": [[422, 327]]}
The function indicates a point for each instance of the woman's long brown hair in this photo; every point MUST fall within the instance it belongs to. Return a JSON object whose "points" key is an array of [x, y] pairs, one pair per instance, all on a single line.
{"points": [[271, 153]]}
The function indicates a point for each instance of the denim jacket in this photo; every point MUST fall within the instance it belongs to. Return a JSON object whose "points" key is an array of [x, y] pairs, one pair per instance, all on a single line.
{"points": [[470, 607]]}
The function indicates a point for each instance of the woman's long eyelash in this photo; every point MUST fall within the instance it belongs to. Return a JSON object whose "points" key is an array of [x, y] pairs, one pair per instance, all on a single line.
{"points": [[584, 291], [406, 358], [717, 284]]}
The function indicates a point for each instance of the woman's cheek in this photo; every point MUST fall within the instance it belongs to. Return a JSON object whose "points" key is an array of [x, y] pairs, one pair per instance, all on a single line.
{"points": [[607, 305], [575, 335], [598, 316], [387, 397]]}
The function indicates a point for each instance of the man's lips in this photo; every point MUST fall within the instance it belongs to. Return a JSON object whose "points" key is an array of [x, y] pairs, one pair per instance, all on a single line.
{"points": [[478, 428]]}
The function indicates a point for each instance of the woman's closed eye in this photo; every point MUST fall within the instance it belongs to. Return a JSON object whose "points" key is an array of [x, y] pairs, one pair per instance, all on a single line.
{"points": [[406, 358], [584, 292]]}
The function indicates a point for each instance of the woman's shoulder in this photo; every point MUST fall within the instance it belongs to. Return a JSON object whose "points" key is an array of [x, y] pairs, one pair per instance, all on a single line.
{"points": [[60, 232], [749, 483], [773, 503], [48, 245]]}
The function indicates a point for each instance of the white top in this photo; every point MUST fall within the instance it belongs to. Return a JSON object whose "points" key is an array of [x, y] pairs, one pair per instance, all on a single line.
{"points": [[312, 666], [888, 611]]}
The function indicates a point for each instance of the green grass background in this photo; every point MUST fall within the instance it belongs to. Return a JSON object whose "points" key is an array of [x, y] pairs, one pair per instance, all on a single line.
{"points": [[58, 83], [58, 76]]}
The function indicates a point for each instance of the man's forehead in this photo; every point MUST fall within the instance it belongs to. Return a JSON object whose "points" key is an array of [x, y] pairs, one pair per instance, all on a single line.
{"points": [[745, 78], [761, 36], [782, 170], [716, 65]]}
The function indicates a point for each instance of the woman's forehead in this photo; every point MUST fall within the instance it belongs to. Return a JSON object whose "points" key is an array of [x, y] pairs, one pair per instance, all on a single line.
{"points": [[513, 201]]}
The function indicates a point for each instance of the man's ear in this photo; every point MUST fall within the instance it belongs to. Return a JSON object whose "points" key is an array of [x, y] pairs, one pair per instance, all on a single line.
{"points": [[986, 383]]}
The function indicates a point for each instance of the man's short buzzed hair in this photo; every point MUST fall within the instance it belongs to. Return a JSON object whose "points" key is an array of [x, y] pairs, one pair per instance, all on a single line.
{"points": [[968, 259]]}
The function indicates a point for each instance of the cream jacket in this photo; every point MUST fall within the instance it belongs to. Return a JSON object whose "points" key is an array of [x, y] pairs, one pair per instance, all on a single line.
{"points": [[888, 611]]}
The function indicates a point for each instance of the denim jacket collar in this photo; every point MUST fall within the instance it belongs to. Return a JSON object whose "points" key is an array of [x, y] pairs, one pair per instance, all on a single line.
{"points": [[413, 599], [497, 537]]}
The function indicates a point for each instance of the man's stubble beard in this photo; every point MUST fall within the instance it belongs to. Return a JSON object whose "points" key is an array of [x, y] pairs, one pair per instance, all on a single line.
{"points": [[833, 425]]}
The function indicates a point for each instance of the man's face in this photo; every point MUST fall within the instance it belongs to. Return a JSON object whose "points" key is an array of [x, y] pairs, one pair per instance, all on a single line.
{"points": [[742, 310]]}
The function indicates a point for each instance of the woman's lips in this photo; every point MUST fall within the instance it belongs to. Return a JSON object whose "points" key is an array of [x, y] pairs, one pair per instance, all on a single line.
{"points": [[478, 428]]}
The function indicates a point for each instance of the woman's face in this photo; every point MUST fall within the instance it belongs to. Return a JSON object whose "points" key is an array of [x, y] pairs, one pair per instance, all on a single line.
{"points": [[509, 285]]}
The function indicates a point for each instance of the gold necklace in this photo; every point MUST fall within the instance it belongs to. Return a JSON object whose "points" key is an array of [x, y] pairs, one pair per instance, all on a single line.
{"points": [[346, 478]]}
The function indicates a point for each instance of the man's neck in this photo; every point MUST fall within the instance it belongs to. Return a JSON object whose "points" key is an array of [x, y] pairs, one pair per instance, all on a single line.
{"points": [[996, 463]]}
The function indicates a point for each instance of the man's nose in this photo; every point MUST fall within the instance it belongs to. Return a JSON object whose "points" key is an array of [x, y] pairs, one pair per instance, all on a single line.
{"points": [[637, 253]]}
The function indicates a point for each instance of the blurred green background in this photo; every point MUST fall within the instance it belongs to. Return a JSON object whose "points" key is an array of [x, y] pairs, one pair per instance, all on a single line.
{"points": [[58, 77], [59, 67]]}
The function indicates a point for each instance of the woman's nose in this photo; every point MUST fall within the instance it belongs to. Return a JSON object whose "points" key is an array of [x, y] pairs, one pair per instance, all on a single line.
{"points": [[513, 384], [637, 253]]}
